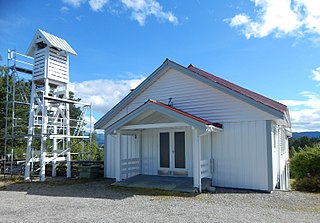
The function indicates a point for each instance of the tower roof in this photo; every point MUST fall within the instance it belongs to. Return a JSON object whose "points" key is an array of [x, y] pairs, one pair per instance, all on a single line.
{"points": [[50, 40]]}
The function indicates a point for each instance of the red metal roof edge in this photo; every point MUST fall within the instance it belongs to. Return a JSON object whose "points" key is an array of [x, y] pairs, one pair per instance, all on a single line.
{"points": [[253, 95], [218, 125]]}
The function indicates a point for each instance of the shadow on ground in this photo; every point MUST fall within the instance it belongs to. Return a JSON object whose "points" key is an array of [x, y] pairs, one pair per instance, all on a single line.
{"points": [[83, 188]]}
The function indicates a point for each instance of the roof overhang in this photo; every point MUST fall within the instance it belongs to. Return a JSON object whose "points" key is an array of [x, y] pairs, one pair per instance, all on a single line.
{"points": [[182, 119], [50, 40]]}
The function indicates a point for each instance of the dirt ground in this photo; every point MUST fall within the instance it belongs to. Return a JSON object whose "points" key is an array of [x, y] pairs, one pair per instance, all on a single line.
{"points": [[74, 200]]}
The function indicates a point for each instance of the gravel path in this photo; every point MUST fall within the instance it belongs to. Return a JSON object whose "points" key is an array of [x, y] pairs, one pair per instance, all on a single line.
{"points": [[82, 201]]}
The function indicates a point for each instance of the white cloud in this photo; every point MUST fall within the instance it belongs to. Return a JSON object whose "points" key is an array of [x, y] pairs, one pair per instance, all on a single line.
{"points": [[143, 8], [140, 9], [74, 3], [104, 94], [89, 123], [316, 74], [64, 9], [305, 114], [280, 17], [239, 20], [97, 5]]}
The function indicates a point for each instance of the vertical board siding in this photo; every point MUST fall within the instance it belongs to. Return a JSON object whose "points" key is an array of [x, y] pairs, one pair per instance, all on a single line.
{"points": [[279, 158], [239, 153], [240, 156], [129, 149], [196, 98], [149, 152]]}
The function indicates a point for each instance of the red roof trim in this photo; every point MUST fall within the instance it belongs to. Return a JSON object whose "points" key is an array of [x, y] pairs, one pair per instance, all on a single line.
{"points": [[250, 94], [218, 125]]}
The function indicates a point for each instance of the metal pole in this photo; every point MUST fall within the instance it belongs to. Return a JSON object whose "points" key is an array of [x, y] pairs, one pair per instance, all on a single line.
{"points": [[13, 112], [7, 112], [67, 107], [90, 134]]}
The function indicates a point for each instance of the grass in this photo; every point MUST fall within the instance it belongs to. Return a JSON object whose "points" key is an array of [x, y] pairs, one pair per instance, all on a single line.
{"points": [[50, 182], [9, 180], [292, 185], [150, 191]]}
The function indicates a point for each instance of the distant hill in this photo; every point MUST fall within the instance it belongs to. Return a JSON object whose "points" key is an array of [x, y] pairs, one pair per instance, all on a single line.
{"points": [[297, 135]]}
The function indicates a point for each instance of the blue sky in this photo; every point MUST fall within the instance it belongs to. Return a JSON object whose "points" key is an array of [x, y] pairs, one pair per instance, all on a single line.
{"points": [[269, 46]]}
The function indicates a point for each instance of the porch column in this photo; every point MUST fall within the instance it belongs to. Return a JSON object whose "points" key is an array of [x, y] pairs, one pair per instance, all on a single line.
{"points": [[118, 156], [140, 152], [196, 158]]}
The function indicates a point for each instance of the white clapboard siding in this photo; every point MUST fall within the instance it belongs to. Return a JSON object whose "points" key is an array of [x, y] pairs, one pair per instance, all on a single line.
{"points": [[240, 156], [196, 98]]}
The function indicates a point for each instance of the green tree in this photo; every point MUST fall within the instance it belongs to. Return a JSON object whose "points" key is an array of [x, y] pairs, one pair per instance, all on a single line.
{"points": [[3, 73], [87, 150], [92, 150], [296, 145]]}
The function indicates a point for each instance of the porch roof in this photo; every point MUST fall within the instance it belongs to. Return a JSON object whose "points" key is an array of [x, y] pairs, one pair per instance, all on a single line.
{"points": [[170, 111]]}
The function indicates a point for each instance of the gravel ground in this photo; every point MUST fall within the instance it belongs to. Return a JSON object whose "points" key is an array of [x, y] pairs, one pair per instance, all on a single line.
{"points": [[97, 201]]}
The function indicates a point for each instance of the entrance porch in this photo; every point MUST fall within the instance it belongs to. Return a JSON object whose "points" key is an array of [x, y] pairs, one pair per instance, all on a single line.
{"points": [[163, 142]]}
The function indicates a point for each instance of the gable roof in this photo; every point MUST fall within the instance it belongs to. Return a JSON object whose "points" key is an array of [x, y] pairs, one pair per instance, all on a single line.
{"points": [[51, 40], [263, 103], [168, 110]]}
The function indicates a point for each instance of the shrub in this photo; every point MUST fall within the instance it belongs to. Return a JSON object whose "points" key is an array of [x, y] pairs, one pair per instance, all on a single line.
{"points": [[305, 169], [308, 184]]}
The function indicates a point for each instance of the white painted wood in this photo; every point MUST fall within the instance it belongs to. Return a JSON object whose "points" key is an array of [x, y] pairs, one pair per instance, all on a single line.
{"points": [[51, 64], [130, 167], [280, 157], [205, 168], [149, 154], [239, 153], [196, 98], [196, 159], [118, 157], [156, 125], [240, 156], [55, 154]]}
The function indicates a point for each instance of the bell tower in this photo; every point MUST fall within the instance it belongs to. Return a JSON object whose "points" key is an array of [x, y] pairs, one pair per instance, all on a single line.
{"points": [[49, 131]]}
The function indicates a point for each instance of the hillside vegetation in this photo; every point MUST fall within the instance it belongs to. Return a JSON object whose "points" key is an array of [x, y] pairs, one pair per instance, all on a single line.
{"points": [[305, 163]]}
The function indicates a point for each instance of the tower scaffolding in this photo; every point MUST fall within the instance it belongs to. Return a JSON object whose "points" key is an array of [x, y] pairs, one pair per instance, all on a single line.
{"points": [[17, 93], [39, 82]]}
